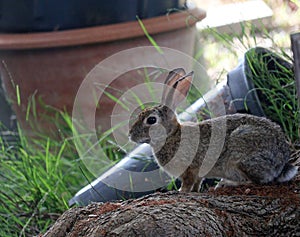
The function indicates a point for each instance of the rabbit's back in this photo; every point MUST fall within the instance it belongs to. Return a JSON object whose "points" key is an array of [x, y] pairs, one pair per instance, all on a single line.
{"points": [[254, 148], [234, 121]]}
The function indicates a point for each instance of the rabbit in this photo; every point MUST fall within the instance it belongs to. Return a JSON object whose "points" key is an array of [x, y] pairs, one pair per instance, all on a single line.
{"points": [[253, 149]]}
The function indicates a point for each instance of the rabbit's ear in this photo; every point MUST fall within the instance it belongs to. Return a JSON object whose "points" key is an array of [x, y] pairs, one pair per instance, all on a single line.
{"points": [[173, 76], [179, 91]]}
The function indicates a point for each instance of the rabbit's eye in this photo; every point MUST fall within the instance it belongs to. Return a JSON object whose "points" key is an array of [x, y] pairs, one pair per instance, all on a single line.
{"points": [[151, 120]]}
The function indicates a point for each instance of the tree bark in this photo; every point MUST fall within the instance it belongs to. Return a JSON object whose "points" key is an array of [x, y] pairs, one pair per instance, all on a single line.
{"points": [[250, 210]]}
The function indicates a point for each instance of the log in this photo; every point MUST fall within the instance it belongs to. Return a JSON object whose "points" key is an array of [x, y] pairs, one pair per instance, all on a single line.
{"points": [[248, 210]]}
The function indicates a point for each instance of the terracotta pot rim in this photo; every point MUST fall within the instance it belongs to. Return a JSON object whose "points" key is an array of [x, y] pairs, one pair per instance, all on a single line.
{"points": [[101, 34]]}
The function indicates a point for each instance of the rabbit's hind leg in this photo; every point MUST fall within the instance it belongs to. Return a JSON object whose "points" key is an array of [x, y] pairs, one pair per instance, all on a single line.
{"points": [[260, 167]]}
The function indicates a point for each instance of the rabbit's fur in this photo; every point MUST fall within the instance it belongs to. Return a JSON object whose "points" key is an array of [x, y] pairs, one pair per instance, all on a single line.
{"points": [[239, 148]]}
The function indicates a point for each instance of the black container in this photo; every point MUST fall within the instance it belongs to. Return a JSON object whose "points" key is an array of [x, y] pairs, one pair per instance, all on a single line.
{"points": [[49, 15], [240, 80], [8, 125], [245, 98], [5, 110], [152, 8], [103, 188], [295, 40]]}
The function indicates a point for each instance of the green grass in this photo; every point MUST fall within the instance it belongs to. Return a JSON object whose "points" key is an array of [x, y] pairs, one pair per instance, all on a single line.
{"points": [[34, 188], [275, 85], [149, 37], [38, 175]]}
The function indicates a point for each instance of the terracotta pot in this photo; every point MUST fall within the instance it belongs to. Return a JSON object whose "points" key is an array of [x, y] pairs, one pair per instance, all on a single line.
{"points": [[52, 65]]}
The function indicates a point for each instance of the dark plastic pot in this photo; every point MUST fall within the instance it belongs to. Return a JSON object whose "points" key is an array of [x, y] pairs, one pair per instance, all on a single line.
{"points": [[152, 8], [240, 80], [5, 111], [139, 160], [48, 15], [8, 125], [295, 40]]}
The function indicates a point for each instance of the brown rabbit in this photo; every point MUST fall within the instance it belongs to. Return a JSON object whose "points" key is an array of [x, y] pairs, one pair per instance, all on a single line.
{"points": [[238, 148]]}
